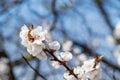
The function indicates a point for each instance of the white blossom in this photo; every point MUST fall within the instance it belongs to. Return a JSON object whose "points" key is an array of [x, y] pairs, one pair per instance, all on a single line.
{"points": [[78, 71], [89, 71], [55, 45], [82, 57], [57, 54], [77, 50], [86, 72], [24, 35], [67, 76], [35, 45], [66, 46], [66, 56]]}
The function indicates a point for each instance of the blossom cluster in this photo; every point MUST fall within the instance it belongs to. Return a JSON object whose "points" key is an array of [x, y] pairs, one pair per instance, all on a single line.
{"points": [[38, 45], [88, 71], [35, 40]]}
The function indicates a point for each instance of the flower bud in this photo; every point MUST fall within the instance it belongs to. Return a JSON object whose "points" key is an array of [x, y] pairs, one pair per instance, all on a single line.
{"points": [[54, 45], [66, 56]]}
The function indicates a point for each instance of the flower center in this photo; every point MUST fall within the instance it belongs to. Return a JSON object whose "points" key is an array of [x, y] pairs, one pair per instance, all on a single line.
{"points": [[30, 37]]}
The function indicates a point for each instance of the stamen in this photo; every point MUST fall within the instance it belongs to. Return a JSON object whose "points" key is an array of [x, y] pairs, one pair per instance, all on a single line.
{"points": [[30, 37], [31, 27]]}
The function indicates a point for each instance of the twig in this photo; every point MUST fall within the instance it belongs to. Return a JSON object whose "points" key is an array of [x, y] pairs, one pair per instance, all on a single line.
{"points": [[54, 12], [37, 68], [62, 63], [105, 16], [99, 3], [34, 69], [90, 52], [6, 6]]}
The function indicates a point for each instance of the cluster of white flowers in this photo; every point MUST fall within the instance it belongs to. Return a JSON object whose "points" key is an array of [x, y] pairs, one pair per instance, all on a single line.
{"points": [[37, 44], [35, 41], [117, 31], [88, 71]]}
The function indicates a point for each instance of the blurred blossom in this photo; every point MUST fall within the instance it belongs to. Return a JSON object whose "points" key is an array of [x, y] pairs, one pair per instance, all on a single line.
{"points": [[77, 50], [66, 46], [4, 68], [82, 57], [48, 35], [117, 31], [95, 42], [110, 39], [46, 25], [47, 30], [55, 45], [66, 56], [117, 54]]}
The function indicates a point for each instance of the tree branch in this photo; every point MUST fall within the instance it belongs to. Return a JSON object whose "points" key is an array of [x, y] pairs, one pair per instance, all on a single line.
{"points": [[62, 63], [34, 69], [103, 12], [55, 14]]}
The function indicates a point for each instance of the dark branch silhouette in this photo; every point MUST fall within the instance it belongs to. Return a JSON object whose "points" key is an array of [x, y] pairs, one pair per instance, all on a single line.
{"points": [[55, 14], [37, 72]]}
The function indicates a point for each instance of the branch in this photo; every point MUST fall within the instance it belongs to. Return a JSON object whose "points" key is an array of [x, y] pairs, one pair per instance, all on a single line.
{"points": [[99, 3], [103, 12], [6, 5], [55, 14], [34, 69], [37, 68], [62, 63]]}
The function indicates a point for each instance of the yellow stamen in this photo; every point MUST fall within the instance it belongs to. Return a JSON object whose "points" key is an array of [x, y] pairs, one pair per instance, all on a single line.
{"points": [[31, 27], [30, 37]]}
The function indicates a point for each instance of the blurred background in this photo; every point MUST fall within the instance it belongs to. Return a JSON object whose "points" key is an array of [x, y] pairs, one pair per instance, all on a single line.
{"points": [[87, 28]]}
